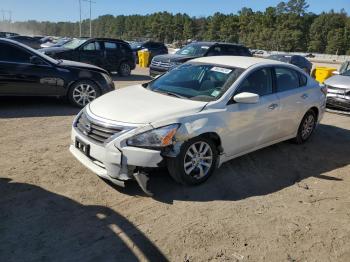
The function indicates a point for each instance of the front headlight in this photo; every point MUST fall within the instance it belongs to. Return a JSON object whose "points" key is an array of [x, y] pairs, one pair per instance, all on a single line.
{"points": [[159, 137]]}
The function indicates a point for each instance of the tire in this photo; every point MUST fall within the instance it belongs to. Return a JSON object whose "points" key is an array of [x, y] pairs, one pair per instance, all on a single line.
{"points": [[180, 166], [306, 127], [124, 69], [83, 92]]}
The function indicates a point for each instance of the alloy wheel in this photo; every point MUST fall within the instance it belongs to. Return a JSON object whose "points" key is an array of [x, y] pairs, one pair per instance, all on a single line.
{"points": [[198, 160], [308, 126], [84, 94]]}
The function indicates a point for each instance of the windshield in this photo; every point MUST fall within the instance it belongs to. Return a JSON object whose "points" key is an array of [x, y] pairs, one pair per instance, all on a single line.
{"points": [[74, 43], [193, 50], [196, 81]]}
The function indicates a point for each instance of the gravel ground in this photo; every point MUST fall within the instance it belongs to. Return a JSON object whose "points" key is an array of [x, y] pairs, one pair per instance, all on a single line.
{"points": [[282, 203]]}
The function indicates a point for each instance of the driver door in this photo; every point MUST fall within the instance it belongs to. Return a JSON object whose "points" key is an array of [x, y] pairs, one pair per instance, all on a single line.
{"points": [[253, 125]]}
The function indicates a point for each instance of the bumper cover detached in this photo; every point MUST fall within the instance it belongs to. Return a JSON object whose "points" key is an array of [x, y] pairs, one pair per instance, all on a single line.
{"points": [[115, 164], [339, 103]]}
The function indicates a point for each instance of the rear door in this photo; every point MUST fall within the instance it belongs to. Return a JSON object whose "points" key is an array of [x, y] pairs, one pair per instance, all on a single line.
{"points": [[294, 96], [18, 76], [92, 53], [112, 55]]}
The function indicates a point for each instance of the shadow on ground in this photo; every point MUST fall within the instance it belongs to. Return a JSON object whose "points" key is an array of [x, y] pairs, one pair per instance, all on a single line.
{"points": [[37, 225], [262, 172], [15, 107]]}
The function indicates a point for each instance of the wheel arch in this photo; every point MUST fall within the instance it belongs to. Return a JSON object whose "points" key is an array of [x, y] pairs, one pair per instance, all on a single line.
{"points": [[215, 138], [315, 110]]}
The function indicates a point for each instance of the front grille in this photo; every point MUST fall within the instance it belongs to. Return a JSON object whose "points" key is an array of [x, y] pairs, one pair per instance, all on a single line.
{"points": [[160, 64], [95, 131]]}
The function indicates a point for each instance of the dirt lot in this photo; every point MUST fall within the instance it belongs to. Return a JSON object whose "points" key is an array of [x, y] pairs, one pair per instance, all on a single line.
{"points": [[282, 203]]}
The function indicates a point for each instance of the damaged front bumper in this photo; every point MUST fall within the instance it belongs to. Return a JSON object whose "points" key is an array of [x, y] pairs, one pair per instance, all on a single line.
{"points": [[115, 164]]}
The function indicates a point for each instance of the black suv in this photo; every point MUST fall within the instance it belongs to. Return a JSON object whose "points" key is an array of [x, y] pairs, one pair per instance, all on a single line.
{"points": [[155, 48], [27, 72], [162, 63], [298, 60], [111, 54], [26, 40]]}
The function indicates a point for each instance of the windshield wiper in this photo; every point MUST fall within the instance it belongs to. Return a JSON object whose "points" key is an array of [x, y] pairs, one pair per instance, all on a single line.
{"points": [[169, 93], [174, 94]]}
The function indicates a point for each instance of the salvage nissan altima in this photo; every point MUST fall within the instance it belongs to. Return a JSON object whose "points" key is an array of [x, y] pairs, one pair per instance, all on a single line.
{"points": [[196, 117]]}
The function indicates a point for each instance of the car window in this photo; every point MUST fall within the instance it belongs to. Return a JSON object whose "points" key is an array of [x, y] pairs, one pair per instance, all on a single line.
{"points": [[110, 45], [259, 82], [286, 79], [230, 50], [214, 51], [93, 46], [9, 53]]}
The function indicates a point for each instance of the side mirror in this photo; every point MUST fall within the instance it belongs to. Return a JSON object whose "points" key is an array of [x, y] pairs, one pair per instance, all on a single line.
{"points": [[336, 73], [246, 98], [35, 60]]}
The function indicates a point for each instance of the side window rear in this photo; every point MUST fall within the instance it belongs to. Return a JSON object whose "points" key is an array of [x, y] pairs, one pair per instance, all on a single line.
{"points": [[10, 53], [124, 48], [259, 82], [243, 51], [231, 50], [110, 46], [286, 79]]}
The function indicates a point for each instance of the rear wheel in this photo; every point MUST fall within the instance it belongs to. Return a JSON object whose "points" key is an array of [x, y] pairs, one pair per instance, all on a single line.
{"points": [[306, 127], [195, 163], [124, 69], [83, 92]]}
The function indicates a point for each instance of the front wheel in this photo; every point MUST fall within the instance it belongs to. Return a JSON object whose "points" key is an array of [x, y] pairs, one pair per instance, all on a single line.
{"points": [[306, 127], [195, 163], [83, 92]]}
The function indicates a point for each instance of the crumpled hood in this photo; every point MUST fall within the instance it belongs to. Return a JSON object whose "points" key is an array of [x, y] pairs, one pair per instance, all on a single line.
{"points": [[339, 81], [173, 58], [138, 105]]}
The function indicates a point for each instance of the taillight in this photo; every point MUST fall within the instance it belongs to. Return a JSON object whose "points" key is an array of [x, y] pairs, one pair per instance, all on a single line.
{"points": [[324, 90]]}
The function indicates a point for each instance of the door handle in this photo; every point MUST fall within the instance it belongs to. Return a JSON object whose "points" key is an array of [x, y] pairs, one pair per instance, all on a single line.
{"points": [[304, 96], [273, 106]]}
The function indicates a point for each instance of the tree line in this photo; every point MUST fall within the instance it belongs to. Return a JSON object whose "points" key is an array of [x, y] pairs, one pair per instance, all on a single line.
{"points": [[285, 27]]}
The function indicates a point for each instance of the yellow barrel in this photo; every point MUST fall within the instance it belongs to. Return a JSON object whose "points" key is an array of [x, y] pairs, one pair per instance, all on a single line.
{"points": [[143, 58], [322, 73]]}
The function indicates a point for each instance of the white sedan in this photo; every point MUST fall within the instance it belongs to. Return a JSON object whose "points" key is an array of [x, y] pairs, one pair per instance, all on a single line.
{"points": [[196, 117]]}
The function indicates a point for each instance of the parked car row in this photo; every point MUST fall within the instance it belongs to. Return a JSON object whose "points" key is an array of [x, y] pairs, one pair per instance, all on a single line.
{"points": [[27, 72]]}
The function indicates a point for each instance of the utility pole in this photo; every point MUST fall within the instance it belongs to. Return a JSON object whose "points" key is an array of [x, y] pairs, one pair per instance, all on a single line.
{"points": [[90, 2], [79, 18]]}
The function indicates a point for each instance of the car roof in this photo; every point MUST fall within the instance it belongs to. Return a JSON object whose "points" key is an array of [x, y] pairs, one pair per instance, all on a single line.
{"points": [[214, 43], [236, 61]]}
